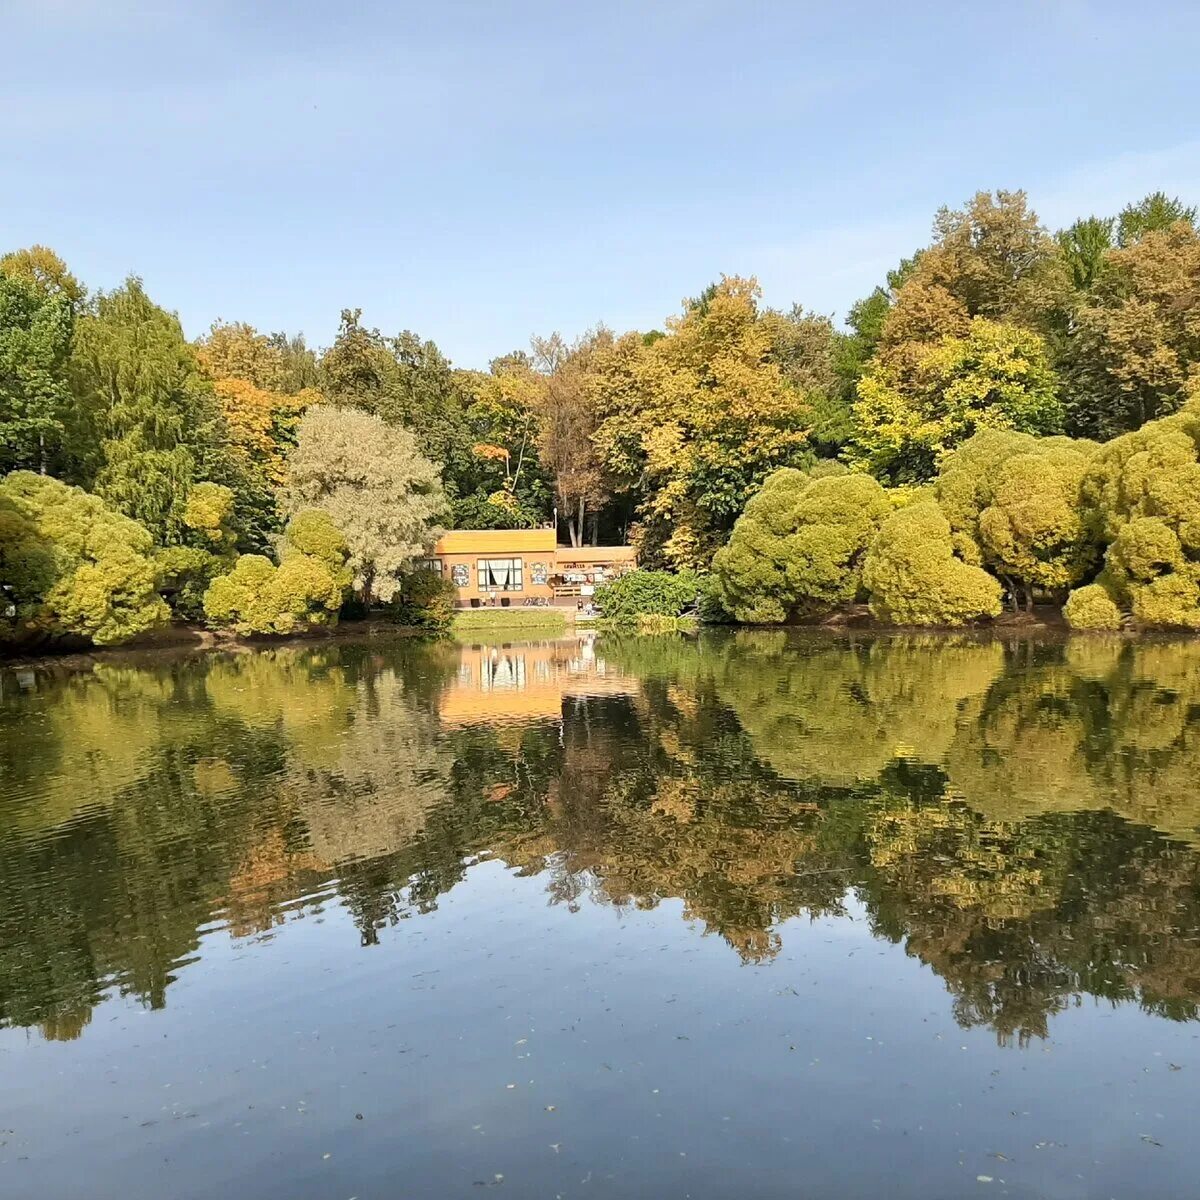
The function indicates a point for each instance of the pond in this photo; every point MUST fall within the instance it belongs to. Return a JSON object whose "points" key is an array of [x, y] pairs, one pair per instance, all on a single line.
{"points": [[744, 915]]}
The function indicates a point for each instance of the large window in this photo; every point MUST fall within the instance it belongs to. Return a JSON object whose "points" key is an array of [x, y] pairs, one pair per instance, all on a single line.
{"points": [[501, 574]]}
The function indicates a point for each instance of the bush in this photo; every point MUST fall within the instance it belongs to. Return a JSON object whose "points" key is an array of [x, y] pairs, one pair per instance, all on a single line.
{"points": [[645, 593], [1092, 607], [799, 546], [69, 565], [425, 601], [305, 590], [710, 608], [914, 579]]}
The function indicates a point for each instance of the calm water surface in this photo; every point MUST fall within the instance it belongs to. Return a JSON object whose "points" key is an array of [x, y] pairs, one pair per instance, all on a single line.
{"points": [[753, 915]]}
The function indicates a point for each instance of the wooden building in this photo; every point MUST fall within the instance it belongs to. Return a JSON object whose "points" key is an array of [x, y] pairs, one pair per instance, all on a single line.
{"points": [[518, 566]]}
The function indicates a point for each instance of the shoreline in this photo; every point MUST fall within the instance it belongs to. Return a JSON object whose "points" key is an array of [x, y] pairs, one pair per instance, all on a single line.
{"points": [[185, 640]]}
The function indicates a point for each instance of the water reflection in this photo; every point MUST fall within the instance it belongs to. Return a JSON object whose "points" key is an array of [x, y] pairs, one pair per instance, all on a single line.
{"points": [[1023, 817]]}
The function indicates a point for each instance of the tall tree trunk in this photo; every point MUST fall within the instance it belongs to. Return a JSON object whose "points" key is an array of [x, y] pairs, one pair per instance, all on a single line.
{"points": [[576, 525], [594, 522]]}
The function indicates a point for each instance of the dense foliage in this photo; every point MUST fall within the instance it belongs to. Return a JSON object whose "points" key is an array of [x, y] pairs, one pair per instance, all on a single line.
{"points": [[71, 565], [1033, 386], [647, 594], [306, 588]]}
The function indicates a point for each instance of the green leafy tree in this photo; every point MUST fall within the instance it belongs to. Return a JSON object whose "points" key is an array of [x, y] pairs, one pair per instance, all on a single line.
{"points": [[35, 340], [799, 547], [1141, 493], [69, 565], [384, 496], [147, 426], [1155, 213], [914, 578], [426, 600], [1085, 246], [209, 547], [996, 376]]}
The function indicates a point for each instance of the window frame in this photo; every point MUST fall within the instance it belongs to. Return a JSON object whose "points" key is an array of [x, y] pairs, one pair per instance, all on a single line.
{"points": [[514, 567]]}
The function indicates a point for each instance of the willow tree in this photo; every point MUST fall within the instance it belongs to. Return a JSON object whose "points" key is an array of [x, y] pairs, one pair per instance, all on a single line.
{"points": [[384, 496]]}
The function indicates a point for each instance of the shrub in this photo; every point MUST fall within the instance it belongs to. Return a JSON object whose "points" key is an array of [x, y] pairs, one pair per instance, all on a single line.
{"points": [[69, 565], [710, 608], [425, 601], [305, 589], [642, 593], [799, 546], [1092, 607], [914, 579]]}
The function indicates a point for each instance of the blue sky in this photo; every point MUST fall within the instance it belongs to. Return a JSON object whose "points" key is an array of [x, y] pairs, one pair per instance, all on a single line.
{"points": [[482, 171]]}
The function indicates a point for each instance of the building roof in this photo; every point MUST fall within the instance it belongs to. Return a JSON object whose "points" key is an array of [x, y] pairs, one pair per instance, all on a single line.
{"points": [[496, 541]]}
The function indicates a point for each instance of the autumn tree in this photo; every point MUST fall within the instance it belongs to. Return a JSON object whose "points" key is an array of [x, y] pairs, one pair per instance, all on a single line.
{"points": [[697, 419], [45, 271], [376, 487], [1137, 336], [567, 420], [910, 415], [995, 258]]}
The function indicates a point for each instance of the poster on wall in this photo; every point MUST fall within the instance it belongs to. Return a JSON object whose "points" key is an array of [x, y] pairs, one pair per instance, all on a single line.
{"points": [[461, 574], [539, 573]]}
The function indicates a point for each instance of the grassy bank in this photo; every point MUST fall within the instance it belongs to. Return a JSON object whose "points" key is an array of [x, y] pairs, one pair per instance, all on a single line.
{"points": [[517, 620]]}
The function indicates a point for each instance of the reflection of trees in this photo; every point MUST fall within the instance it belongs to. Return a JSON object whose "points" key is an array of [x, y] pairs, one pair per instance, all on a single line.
{"points": [[805, 703], [1022, 817], [137, 803]]}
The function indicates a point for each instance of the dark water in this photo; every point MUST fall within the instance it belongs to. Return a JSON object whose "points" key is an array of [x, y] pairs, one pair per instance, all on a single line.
{"points": [[753, 916]]}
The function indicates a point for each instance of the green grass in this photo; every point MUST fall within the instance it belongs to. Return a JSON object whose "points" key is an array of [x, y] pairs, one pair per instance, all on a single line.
{"points": [[484, 620]]}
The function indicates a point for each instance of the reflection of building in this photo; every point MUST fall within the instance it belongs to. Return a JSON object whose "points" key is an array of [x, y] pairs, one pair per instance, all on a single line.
{"points": [[510, 566], [526, 681]]}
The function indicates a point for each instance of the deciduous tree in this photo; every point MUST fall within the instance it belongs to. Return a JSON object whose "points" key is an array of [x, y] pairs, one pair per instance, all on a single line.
{"points": [[374, 484]]}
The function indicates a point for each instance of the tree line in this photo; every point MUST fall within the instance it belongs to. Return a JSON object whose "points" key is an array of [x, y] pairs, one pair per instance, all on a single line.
{"points": [[140, 467]]}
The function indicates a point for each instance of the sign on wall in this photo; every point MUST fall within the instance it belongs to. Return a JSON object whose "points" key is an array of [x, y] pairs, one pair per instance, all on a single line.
{"points": [[461, 575], [539, 573]]}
